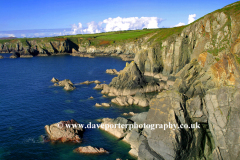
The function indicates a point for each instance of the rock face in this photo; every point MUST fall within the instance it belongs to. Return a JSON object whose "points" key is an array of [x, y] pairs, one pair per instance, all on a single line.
{"points": [[90, 150], [195, 97], [203, 95], [60, 132]]}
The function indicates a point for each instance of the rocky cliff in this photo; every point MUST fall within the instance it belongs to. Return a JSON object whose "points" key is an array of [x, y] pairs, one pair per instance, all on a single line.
{"points": [[203, 60]]}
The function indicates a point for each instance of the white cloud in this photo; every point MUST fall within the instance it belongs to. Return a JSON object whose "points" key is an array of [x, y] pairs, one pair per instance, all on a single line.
{"points": [[191, 18], [23, 35], [180, 24], [7, 35], [39, 34], [131, 23], [116, 24]]}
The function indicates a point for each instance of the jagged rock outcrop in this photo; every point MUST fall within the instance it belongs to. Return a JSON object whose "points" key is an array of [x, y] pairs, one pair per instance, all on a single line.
{"points": [[69, 87], [129, 82], [67, 84], [54, 80], [63, 133]]}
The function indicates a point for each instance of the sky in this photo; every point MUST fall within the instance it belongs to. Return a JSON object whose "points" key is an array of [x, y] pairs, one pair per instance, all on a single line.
{"points": [[42, 18]]}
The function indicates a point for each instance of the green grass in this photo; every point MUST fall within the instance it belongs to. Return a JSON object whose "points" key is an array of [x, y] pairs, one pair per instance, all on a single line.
{"points": [[164, 33], [117, 37]]}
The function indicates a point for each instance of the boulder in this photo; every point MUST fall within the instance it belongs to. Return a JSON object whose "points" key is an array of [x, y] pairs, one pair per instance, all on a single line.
{"points": [[90, 150], [13, 56], [112, 71], [54, 80], [62, 132], [69, 87], [105, 104], [96, 82], [90, 82], [67, 84], [64, 82], [86, 82], [131, 113], [98, 105]]}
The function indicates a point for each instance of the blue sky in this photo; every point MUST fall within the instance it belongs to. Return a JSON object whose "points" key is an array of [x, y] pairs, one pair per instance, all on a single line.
{"points": [[39, 16]]}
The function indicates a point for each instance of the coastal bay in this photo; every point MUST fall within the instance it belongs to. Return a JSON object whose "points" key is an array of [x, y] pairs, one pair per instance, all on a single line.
{"points": [[29, 101]]}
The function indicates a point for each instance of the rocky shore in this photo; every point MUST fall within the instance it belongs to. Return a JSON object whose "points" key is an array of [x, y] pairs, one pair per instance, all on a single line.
{"points": [[196, 85], [195, 75]]}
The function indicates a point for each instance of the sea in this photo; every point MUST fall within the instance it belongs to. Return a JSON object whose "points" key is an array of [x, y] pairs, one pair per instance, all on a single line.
{"points": [[29, 101]]}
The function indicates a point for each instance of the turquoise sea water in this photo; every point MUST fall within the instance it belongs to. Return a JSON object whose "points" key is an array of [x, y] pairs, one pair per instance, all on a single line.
{"points": [[29, 101]]}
